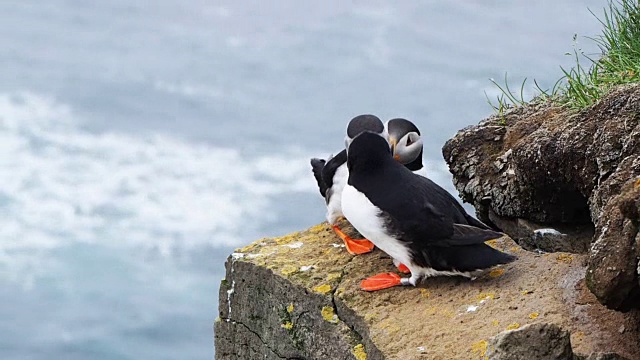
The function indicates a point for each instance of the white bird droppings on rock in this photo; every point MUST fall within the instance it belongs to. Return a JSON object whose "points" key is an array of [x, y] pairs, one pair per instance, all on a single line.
{"points": [[547, 231]]}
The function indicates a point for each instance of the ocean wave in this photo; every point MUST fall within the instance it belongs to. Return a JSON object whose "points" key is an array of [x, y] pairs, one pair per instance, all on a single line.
{"points": [[60, 184]]}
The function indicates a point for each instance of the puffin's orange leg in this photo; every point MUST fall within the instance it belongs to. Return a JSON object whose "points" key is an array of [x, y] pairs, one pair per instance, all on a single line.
{"points": [[380, 281], [403, 269], [354, 247]]}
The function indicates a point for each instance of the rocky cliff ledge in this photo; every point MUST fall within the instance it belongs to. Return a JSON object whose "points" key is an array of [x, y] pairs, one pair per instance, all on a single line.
{"points": [[297, 297], [556, 180], [564, 185]]}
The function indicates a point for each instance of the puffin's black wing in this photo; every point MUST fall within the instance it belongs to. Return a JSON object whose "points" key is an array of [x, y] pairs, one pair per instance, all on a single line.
{"points": [[421, 212], [316, 166], [331, 166], [459, 214], [324, 170]]}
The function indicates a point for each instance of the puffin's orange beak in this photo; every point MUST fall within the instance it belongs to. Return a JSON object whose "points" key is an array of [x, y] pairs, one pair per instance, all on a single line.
{"points": [[394, 143]]}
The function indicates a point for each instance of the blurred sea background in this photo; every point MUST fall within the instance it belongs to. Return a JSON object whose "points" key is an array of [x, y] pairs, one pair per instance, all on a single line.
{"points": [[140, 142]]}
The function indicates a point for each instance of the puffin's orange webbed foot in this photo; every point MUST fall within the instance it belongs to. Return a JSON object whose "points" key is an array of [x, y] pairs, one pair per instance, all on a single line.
{"points": [[380, 281], [403, 269], [354, 247]]}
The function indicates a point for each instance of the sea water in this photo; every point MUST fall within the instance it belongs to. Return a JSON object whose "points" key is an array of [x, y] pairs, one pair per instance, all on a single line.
{"points": [[140, 142]]}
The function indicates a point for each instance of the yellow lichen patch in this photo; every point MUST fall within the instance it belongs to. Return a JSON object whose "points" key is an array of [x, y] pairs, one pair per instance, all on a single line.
{"points": [[286, 239], [578, 334], [334, 276], [290, 308], [513, 326], [329, 315], [636, 184], [485, 296], [390, 326], [322, 289], [495, 323], [436, 310], [514, 249], [527, 292], [565, 258], [493, 243], [288, 270], [359, 353], [370, 317], [425, 293], [480, 348], [318, 228], [534, 315], [288, 325], [496, 273]]}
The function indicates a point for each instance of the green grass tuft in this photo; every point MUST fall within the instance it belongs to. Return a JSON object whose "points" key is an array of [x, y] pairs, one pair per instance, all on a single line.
{"points": [[580, 86]]}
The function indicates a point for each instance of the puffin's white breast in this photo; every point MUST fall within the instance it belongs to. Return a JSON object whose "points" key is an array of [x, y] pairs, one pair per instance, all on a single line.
{"points": [[365, 217], [334, 205]]}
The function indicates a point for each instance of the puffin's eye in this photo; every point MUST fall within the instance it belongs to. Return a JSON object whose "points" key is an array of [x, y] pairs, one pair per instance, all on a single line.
{"points": [[409, 142]]}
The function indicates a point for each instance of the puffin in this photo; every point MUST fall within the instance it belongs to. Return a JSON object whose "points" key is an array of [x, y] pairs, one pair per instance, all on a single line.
{"points": [[405, 143], [411, 218]]}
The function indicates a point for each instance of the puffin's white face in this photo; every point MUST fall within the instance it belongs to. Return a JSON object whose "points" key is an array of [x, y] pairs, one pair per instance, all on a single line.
{"points": [[407, 148]]}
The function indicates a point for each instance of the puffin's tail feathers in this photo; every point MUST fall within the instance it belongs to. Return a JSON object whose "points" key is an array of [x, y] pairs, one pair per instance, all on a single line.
{"points": [[477, 223], [468, 258], [467, 235], [316, 166]]}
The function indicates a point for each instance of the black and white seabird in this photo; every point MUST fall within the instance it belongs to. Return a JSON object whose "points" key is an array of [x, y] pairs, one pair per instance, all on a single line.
{"points": [[331, 174], [411, 218]]}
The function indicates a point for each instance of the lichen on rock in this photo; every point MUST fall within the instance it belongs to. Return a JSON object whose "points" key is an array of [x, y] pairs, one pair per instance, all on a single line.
{"points": [[277, 314]]}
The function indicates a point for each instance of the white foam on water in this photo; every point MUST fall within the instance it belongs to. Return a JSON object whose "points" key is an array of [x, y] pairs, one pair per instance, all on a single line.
{"points": [[60, 184]]}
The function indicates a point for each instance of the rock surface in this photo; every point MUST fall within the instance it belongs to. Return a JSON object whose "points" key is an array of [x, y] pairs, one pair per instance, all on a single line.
{"points": [[543, 166], [525, 344], [298, 297]]}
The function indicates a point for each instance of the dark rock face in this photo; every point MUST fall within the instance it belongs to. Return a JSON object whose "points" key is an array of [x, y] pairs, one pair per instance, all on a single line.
{"points": [[538, 342], [531, 342], [543, 167], [533, 236], [257, 318], [607, 356], [612, 272], [272, 306]]}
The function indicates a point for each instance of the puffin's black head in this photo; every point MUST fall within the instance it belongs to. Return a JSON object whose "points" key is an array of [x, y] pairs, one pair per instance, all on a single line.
{"points": [[406, 143], [368, 151], [362, 123]]}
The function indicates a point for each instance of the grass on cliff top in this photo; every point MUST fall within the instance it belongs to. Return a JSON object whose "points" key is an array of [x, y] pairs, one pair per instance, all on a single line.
{"points": [[582, 86]]}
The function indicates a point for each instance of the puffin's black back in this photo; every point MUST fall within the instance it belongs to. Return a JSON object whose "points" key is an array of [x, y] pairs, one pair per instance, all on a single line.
{"points": [[418, 212], [369, 153]]}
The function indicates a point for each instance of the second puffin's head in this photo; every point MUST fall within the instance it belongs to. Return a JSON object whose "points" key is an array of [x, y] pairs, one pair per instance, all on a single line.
{"points": [[362, 123], [406, 143]]}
